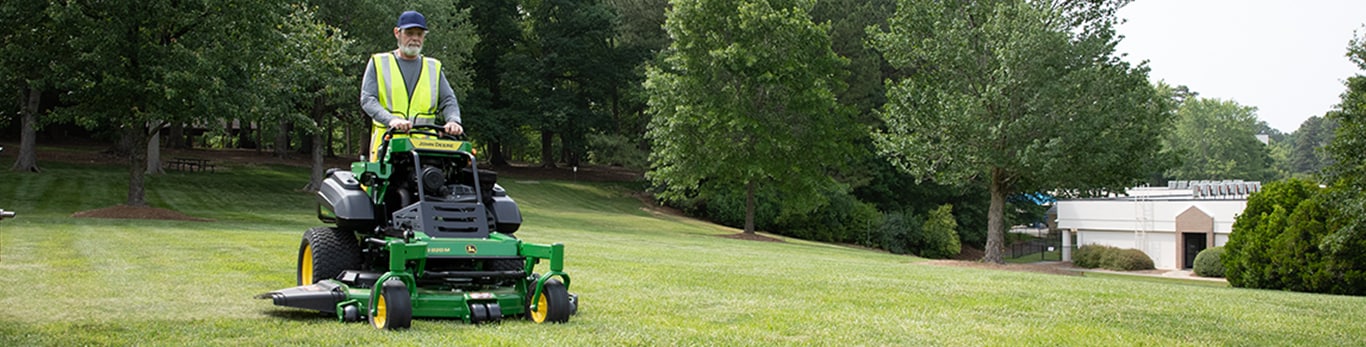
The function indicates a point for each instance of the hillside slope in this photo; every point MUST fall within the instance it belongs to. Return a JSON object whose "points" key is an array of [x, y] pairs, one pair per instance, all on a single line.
{"points": [[644, 278]]}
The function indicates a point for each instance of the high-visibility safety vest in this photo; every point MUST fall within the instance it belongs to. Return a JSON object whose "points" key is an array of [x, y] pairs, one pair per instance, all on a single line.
{"points": [[419, 108]]}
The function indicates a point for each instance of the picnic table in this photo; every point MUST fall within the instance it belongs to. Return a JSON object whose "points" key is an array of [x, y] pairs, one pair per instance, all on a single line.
{"points": [[189, 164]]}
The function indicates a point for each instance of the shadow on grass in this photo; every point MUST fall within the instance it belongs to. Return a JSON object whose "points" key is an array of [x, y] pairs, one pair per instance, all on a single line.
{"points": [[299, 314]]}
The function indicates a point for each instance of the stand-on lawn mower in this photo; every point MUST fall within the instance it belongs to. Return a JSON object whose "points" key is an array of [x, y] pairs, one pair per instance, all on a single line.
{"points": [[422, 232]]}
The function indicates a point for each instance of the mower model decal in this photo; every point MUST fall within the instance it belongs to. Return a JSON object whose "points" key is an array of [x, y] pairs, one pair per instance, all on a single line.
{"points": [[471, 249], [438, 250]]}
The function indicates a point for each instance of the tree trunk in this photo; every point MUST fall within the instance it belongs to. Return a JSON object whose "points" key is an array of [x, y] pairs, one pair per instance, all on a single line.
{"points": [[315, 181], [282, 139], [328, 140], [154, 151], [346, 129], [547, 150], [570, 153], [996, 218], [497, 157], [28, 152], [175, 138], [137, 162], [244, 134], [306, 144], [749, 207]]}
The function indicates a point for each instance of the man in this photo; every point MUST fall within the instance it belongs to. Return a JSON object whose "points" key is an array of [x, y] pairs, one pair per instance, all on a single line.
{"points": [[402, 88]]}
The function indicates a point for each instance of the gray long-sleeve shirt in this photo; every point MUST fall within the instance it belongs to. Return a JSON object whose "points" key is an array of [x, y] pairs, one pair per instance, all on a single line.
{"points": [[448, 106]]}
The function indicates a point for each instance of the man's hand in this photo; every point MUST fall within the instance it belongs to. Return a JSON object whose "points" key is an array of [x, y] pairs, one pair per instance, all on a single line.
{"points": [[400, 124], [454, 128]]}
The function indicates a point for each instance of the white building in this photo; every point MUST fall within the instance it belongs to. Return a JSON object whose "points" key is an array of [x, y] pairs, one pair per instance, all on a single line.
{"points": [[1170, 224]]}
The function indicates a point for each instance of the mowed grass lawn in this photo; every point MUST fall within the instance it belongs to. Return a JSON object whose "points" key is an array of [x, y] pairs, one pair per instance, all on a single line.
{"points": [[643, 279]]}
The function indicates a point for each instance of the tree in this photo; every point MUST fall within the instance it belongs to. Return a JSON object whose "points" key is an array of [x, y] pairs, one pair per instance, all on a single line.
{"points": [[1306, 154], [639, 38], [1347, 170], [26, 61], [496, 23], [560, 73], [849, 20], [1020, 96], [1217, 140], [152, 63], [309, 71], [746, 97]]}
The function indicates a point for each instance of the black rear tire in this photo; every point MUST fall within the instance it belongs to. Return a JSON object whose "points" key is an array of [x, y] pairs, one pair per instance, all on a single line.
{"points": [[324, 253]]}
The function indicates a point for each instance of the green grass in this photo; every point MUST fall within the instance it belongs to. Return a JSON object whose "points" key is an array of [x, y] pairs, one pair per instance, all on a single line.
{"points": [[643, 279], [1153, 279]]}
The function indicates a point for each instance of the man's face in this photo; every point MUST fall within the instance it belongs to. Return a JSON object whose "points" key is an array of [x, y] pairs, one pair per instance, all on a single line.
{"points": [[410, 40]]}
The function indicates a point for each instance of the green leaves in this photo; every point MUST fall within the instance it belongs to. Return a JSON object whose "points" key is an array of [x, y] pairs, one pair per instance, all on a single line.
{"points": [[1218, 141], [1030, 92], [746, 95]]}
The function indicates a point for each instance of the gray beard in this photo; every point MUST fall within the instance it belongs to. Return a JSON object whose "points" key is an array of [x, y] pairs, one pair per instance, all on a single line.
{"points": [[411, 51]]}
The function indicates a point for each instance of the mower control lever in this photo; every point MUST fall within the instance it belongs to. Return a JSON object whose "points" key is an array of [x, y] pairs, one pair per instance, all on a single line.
{"points": [[377, 242]]}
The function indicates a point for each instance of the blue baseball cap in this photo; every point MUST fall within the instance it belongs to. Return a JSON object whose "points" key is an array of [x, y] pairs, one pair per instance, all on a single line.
{"points": [[411, 19]]}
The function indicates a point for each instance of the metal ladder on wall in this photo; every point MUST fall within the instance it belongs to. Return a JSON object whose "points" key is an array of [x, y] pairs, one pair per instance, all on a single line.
{"points": [[1143, 214]]}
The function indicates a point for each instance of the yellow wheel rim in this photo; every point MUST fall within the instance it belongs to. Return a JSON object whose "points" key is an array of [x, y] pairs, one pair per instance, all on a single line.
{"points": [[306, 266], [542, 308], [381, 312]]}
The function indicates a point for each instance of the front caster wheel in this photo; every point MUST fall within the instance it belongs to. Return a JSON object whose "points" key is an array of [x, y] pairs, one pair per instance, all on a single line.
{"points": [[393, 307], [554, 305]]}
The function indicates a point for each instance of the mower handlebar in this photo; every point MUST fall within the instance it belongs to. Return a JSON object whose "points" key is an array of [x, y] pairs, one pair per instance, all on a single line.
{"points": [[436, 130]]}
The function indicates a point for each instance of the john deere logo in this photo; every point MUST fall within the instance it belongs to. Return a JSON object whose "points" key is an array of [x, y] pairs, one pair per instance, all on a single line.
{"points": [[471, 249], [428, 144]]}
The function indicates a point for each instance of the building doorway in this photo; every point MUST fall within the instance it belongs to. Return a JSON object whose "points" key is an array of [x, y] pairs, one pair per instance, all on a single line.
{"points": [[1193, 243]]}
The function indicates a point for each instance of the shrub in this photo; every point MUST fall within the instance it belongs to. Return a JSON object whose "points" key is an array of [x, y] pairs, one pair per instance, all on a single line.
{"points": [[1128, 259], [843, 218], [1111, 258], [1088, 256], [1296, 236], [934, 235], [940, 232], [1208, 263], [617, 150], [896, 231]]}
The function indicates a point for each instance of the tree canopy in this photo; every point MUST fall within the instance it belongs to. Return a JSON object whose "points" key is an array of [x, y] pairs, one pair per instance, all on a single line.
{"points": [[746, 98], [1217, 140], [152, 63], [1020, 96]]}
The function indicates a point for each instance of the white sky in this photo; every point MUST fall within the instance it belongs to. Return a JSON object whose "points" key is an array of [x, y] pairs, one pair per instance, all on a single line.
{"points": [[1286, 58]]}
